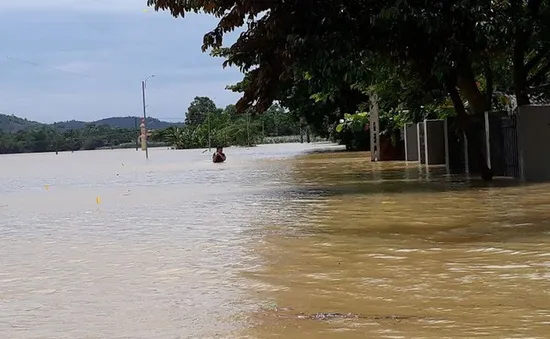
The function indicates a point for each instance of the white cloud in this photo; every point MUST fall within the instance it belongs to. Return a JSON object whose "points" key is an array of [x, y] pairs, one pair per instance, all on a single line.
{"points": [[79, 5], [213, 71], [115, 44], [81, 67], [91, 100]]}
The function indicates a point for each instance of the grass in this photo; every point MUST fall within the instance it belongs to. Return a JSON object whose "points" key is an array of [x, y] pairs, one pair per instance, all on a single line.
{"points": [[266, 140], [289, 139], [150, 144]]}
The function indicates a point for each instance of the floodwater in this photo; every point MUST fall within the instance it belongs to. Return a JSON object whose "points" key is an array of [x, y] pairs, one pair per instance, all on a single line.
{"points": [[279, 242]]}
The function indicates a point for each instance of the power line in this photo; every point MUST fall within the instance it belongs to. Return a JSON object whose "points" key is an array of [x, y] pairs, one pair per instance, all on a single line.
{"points": [[36, 64], [165, 119]]}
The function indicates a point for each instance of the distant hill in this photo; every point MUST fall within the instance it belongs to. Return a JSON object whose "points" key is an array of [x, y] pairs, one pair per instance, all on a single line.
{"points": [[130, 122], [68, 125], [12, 124]]}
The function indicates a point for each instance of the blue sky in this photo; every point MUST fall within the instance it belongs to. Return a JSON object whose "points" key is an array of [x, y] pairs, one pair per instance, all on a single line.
{"points": [[114, 47]]}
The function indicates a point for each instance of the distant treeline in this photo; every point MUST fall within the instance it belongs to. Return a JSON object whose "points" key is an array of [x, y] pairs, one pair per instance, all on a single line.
{"points": [[49, 139], [205, 124]]}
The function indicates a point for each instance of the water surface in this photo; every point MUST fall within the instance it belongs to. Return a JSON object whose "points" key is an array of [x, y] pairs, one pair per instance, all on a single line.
{"points": [[179, 247]]}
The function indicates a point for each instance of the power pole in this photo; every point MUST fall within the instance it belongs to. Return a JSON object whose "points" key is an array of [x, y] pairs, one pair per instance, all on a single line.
{"points": [[144, 118], [374, 129], [56, 142], [301, 130], [263, 128], [248, 128], [209, 138], [137, 129], [144, 136]]}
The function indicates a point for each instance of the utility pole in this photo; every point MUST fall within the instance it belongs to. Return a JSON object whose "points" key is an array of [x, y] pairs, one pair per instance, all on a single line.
{"points": [[248, 128], [374, 129], [144, 119], [56, 142], [137, 129], [301, 130], [144, 136], [263, 128], [209, 138]]}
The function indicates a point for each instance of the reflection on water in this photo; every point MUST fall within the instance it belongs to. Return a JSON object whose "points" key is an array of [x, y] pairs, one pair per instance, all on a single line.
{"points": [[258, 247], [447, 256]]}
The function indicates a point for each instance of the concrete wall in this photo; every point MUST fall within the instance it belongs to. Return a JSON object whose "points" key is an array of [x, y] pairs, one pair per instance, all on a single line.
{"points": [[533, 127], [435, 142], [456, 154], [420, 142], [501, 149], [411, 142], [472, 147], [374, 129]]}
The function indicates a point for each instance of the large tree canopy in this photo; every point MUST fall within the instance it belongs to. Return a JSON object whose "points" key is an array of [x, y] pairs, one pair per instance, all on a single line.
{"points": [[444, 43], [227, 128], [198, 110], [338, 52]]}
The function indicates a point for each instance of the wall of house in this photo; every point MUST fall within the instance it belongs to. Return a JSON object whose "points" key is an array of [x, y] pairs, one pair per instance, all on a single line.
{"points": [[411, 142], [435, 142], [533, 132], [420, 142]]}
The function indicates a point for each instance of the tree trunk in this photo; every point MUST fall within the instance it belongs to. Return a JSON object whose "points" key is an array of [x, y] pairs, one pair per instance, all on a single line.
{"points": [[463, 77], [472, 131], [522, 39], [520, 76], [466, 81], [488, 70], [476, 99]]}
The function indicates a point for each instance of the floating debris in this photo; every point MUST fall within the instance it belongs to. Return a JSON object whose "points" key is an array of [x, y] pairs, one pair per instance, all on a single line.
{"points": [[336, 315]]}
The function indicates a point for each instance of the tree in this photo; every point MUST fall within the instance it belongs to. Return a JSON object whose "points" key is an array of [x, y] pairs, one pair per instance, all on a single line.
{"points": [[450, 46], [438, 39], [51, 139], [231, 111], [353, 131], [227, 128], [308, 97], [174, 136], [198, 111]]}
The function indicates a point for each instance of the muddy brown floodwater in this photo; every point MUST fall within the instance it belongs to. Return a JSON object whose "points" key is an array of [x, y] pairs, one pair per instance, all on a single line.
{"points": [[279, 242]]}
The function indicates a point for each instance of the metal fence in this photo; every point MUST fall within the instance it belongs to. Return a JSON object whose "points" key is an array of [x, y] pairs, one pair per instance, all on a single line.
{"points": [[502, 144]]}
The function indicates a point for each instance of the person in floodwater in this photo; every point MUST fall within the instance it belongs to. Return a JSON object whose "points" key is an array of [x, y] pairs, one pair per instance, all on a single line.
{"points": [[218, 156]]}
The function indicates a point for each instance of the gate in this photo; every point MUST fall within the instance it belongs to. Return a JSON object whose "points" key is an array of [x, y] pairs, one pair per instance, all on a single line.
{"points": [[510, 152], [421, 143], [503, 144], [455, 140]]}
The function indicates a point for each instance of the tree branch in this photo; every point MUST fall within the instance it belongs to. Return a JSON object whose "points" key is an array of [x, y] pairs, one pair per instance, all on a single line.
{"points": [[458, 105], [489, 78], [471, 131], [466, 82], [540, 75], [534, 7], [534, 61]]}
